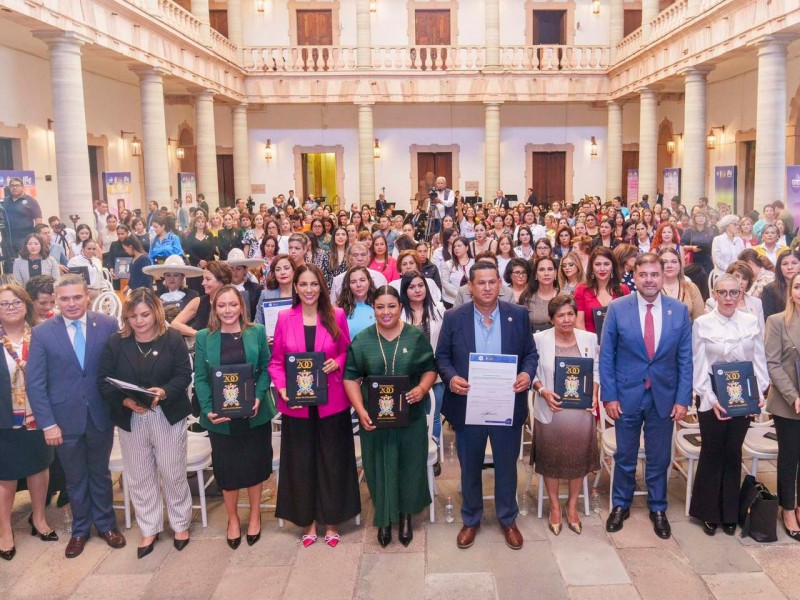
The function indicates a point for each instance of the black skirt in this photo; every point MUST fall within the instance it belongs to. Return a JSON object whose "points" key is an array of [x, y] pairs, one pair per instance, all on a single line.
{"points": [[243, 458], [23, 453], [318, 477]]}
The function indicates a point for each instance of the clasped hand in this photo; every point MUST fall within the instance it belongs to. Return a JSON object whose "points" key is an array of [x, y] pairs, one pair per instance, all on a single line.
{"points": [[459, 385], [217, 420]]}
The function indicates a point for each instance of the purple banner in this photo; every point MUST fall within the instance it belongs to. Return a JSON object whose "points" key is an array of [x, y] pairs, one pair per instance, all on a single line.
{"points": [[725, 186], [117, 191], [187, 189], [672, 184], [28, 181], [793, 191], [633, 186]]}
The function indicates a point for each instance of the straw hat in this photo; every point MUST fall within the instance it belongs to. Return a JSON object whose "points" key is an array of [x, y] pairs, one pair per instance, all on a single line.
{"points": [[236, 258], [173, 264]]}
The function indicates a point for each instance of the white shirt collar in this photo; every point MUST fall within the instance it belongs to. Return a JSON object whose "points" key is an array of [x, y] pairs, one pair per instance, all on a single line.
{"points": [[642, 303], [82, 321]]}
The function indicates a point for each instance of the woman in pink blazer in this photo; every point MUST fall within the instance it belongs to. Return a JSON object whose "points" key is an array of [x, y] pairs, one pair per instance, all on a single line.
{"points": [[318, 481]]}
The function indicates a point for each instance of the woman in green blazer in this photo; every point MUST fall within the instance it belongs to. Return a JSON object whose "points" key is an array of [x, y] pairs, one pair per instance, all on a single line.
{"points": [[241, 449]]}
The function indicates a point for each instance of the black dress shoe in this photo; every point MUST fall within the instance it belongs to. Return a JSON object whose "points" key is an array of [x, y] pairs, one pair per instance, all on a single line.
{"points": [[252, 539], [234, 542], [50, 536], [792, 533], [143, 551], [437, 469], [660, 524], [385, 536], [729, 528], [405, 533], [180, 544], [616, 519], [709, 528], [8, 554], [63, 499]]}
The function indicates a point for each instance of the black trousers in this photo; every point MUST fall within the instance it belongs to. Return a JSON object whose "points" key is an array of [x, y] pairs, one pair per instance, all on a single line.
{"points": [[788, 431], [715, 497]]}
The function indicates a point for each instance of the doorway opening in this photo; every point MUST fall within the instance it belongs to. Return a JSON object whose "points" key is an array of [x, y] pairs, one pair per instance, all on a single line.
{"points": [[549, 176], [749, 153], [319, 176]]}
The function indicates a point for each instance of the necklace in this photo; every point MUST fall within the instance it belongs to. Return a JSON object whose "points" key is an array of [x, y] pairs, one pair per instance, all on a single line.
{"points": [[142, 352], [394, 356]]}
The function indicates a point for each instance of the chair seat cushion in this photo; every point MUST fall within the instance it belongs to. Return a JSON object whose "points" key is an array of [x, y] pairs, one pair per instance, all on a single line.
{"points": [[756, 443]]}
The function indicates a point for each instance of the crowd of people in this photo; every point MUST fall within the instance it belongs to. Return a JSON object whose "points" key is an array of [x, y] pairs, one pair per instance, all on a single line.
{"points": [[653, 293]]}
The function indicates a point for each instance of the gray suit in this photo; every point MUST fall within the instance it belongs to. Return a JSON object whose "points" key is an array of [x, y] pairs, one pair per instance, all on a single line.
{"points": [[781, 348]]}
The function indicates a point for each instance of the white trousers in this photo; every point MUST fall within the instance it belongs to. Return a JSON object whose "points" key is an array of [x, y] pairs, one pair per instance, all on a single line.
{"points": [[154, 456]]}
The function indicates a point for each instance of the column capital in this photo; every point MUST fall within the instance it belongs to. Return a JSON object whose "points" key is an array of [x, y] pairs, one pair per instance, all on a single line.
{"points": [[615, 104], [52, 38], [203, 94], [772, 42], [147, 71], [696, 72], [239, 108], [650, 92], [490, 103], [364, 104]]}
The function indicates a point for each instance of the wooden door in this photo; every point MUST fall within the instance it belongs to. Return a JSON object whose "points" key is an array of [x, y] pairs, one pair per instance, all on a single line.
{"points": [[431, 28], [219, 21], [630, 160], [549, 28], [549, 176], [749, 178], [431, 165], [315, 28], [6, 154], [632, 21], [225, 180]]}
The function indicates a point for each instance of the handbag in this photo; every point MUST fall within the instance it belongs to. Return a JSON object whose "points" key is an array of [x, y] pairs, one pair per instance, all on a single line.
{"points": [[758, 511]]}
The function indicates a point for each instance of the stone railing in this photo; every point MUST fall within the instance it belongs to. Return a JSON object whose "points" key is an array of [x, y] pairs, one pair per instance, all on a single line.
{"points": [[669, 19], [180, 19], [629, 45], [224, 47], [708, 4], [426, 58]]}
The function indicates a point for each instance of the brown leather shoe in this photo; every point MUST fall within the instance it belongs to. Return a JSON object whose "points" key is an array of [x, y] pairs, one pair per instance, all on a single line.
{"points": [[466, 537], [114, 538], [513, 536], [75, 546]]}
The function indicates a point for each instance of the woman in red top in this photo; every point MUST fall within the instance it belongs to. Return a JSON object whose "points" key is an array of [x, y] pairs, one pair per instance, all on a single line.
{"points": [[381, 261], [601, 286]]}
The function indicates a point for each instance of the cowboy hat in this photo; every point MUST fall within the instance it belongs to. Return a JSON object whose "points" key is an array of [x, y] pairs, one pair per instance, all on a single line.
{"points": [[236, 258], [173, 264]]}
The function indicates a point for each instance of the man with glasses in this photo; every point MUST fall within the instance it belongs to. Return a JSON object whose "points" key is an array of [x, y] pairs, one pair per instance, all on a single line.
{"points": [[22, 212]]}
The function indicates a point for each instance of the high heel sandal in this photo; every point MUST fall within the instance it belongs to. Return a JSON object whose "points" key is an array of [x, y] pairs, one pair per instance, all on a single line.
{"points": [[792, 533], [308, 540], [234, 542], [252, 539], [576, 527], [10, 553], [50, 536], [143, 551], [180, 544], [555, 527]]}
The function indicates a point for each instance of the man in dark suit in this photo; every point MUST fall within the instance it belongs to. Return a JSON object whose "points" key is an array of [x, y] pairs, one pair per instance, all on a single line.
{"points": [[381, 205], [61, 381], [645, 380], [487, 326], [501, 201]]}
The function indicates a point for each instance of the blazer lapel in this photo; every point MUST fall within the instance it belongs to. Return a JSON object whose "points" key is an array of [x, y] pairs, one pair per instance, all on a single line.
{"points": [[793, 335], [319, 336], [636, 325], [468, 328], [666, 323], [506, 328], [250, 347], [213, 348]]}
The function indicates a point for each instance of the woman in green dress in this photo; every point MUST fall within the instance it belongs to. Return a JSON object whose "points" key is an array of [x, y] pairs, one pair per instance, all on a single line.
{"points": [[394, 459]]}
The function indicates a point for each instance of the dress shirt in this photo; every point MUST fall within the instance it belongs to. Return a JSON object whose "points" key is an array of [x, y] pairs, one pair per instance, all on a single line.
{"points": [[724, 251], [71, 329], [644, 247], [657, 316], [488, 340], [716, 339]]}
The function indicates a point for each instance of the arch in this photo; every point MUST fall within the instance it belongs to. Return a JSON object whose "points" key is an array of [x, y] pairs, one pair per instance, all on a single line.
{"points": [[664, 160]]}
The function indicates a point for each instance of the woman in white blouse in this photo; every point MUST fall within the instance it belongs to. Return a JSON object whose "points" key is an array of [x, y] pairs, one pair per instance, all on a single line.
{"points": [[746, 303], [726, 247], [723, 335]]}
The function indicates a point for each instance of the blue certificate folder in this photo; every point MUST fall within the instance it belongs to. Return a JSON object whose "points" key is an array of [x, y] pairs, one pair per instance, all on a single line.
{"points": [[574, 381], [736, 388]]}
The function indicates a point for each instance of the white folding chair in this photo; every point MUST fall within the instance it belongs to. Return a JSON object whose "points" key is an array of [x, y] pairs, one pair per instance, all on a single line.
{"points": [[115, 466], [198, 459], [684, 449], [108, 303], [433, 456], [527, 427], [759, 447]]}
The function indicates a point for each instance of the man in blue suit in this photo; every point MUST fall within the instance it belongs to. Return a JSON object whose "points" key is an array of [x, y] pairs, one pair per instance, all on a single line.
{"points": [[486, 326], [645, 380], [61, 380]]}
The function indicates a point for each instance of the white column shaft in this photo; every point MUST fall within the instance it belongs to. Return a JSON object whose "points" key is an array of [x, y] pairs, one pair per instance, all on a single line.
{"points": [[648, 144], [235, 34], [492, 8], [366, 157], [649, 12], [200, 10], [206, 143], [154, 134], [241, 160], [614, 152], [693, 176], [770, 123], [491, 150], [363, 35]]}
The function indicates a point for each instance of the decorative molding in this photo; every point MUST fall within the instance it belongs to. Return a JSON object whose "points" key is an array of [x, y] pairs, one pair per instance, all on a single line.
{"points": [[332, 5], [567, 7], [451, 5], [569, 168]]}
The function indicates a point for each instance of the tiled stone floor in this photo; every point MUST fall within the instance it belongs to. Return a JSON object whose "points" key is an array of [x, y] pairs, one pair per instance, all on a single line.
{"points": [[633, 563]]}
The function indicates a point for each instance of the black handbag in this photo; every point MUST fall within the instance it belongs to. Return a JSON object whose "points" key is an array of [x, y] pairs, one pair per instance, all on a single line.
{"points": [[758, 511]]}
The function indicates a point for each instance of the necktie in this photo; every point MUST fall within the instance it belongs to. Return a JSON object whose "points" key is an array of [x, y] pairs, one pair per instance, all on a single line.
{"points": [[649, 337], [79, 343]]}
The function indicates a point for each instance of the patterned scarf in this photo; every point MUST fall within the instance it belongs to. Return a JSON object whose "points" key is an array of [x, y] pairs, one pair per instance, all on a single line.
{"points": [[22, 413]]}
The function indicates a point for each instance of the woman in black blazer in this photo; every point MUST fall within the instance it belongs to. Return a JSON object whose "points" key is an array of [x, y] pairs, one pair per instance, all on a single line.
{"points": [[148, 354]]}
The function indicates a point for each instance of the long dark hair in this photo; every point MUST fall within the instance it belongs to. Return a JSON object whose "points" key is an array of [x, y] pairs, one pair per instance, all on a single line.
{"points": [[446, 235], [272, 281], [428, 312], [333, 253], [324, 306], [781, 285], [614, 282], [345, 300], [533, 285]]}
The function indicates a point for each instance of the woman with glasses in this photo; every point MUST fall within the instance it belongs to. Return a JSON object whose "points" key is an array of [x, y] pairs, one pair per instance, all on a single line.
{"points": [[747, 303], [516, 276]]}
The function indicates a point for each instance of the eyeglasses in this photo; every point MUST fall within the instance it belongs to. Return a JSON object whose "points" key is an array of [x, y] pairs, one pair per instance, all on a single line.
{"points": [[732, 294], [13, 303], [519, 273]]}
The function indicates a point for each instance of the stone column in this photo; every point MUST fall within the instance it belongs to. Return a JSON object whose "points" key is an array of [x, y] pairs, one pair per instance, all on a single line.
{"points": [[614, 152], [649, 12], [69, 128], [154, 135], [492, 16], [235, 26], [206, 145], [770, 178], [241, 160], [616, 25], [491, 149], [366, 158], [648, 143], [693, 175], [363, 35], [200, 10]]}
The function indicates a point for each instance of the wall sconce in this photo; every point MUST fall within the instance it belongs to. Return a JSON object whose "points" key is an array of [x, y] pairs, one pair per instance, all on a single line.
{"points": [[260, 6], [671, 147], [593, 148], [136, 143], [376, 150], [180, 152], [711, 138], [50, 123], [268, 150], [373, 6], [596, 7]]}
